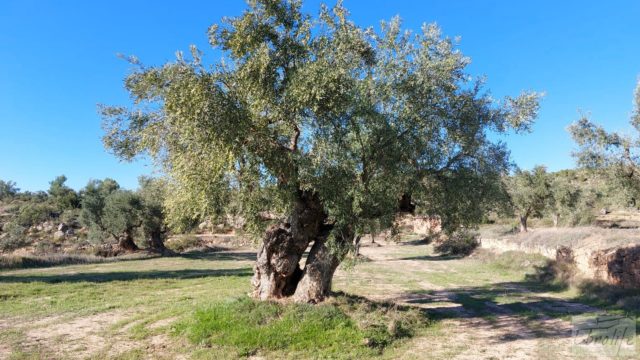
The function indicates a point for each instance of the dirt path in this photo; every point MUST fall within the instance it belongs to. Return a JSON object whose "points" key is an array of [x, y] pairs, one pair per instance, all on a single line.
{"points": [[480, 317]]}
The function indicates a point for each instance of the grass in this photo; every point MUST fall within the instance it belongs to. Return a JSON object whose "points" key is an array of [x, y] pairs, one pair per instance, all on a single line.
{"points": [[341, 328], [195, 306], [35, 261]]}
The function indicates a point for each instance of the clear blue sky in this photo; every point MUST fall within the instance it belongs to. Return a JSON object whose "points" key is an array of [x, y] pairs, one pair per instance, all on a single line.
{"points": [[58, 60]]}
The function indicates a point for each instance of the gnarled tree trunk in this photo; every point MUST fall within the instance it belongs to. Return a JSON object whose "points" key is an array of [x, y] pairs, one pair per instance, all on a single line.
{"points": [[126, 243], [523, 223], [277, 270], [156, 242], [315, 283]]}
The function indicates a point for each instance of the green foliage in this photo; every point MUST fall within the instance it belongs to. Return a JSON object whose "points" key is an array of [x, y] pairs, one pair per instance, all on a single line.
{"points": [[347, 328], [357, 116], [121, 212], [62, 196], [8, 189], [565, 197], [615, 154], [461, 242], [152, 193], [94, 197], [13, 236], [71, 216], [34, 213], [530, 191], [181, 243]]}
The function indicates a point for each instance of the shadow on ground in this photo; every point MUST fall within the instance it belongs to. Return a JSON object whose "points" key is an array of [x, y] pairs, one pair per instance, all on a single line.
{"points": [[433, 257], [220, 255], [509, 307], [100, 277]]}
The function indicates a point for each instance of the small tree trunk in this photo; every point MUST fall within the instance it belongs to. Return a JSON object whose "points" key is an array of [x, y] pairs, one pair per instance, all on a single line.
{"points": [[315, 284], [523, 224], [126, 243], [156, 242], [556, 217], [277, 271], [356, 245]]}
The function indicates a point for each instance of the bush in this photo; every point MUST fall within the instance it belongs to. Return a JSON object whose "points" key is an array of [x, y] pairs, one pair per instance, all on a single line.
{"points": [[182, 243], [13, 237], [71, 217], [461, 242], [31, 214]]}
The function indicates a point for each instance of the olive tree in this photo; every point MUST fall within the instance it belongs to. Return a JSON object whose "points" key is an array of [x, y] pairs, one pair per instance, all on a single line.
{"points": [[8, 189], [530, 192], [324, 122], [564, 198], [617, 155], [94, 197], [62, 196], [152, 192]]}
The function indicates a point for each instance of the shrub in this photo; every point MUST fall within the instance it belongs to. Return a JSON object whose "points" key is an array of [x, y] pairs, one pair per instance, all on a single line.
{"points": [[182, 243], [13, 237], [71, 217], [31, 214], [461, 242]]}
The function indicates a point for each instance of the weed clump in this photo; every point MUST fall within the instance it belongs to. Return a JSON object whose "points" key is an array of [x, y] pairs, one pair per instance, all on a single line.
{"points": [[462, 242], [344, 326]]}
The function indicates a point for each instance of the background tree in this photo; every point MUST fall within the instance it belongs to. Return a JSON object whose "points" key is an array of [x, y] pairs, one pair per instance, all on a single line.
{"points": [[324, 122], [122, 217], [530, 192], [614, 154], [152, 193], [62, 196], [94, 197], [564, 199], [8, 190]]}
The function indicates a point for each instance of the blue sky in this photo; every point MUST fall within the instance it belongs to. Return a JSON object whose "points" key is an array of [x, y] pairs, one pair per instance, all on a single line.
{"points": [[58, 60]]}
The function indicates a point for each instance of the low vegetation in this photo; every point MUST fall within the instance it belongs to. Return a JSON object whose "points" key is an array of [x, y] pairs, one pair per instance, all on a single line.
{"points": [[345, 327]]}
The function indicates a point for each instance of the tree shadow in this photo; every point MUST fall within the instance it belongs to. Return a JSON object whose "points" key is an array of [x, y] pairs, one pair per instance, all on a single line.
{"points": [[417, 242], [219, 255], [509, 307], [433, 257], [101, 277]]}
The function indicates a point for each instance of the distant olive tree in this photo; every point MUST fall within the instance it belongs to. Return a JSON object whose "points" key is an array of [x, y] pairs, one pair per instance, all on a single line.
{"points": [[94, 197], [152, 193], [530, 192], [123, 215], [62, 196], [324, 122], [564, 199], [8, 189], [615, 154]]}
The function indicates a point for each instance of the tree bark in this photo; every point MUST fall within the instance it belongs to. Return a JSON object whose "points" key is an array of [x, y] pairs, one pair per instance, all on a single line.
{"points": [[156, 242], [406, 205], [356, 245], [556, 217], [126, 243], [315, 284], [277, 271], [523, 224]]}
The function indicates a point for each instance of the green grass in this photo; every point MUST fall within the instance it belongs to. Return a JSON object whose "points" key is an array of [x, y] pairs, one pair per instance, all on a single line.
{"points": [[342, 328], [195, 306]]}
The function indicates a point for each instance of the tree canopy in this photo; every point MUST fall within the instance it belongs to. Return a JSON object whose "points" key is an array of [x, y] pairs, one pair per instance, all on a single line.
{"points": [[530, 193], [319, 113], [617, 154]]}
